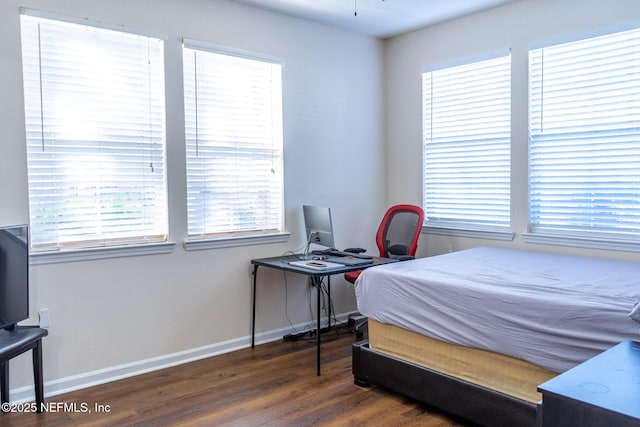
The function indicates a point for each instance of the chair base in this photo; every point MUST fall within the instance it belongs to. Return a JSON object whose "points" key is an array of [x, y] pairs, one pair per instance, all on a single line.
{"points": [[358, 321]]}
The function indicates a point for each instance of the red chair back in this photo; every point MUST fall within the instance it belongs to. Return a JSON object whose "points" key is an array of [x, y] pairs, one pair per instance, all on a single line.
{"points": [[397, 235], [399, 231]]}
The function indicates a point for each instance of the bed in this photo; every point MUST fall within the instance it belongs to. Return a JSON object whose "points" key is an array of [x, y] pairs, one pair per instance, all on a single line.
{"points": [[474, 332]]}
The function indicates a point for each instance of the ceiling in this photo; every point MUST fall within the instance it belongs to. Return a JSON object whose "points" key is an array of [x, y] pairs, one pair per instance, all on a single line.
{"points": [[378, 18]]}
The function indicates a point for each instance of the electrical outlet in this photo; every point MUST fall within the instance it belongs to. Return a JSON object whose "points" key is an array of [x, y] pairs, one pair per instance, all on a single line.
{"points": [[44, 318]]}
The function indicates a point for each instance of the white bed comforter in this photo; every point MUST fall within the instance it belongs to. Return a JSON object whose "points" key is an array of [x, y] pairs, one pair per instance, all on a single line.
{"points": [[552, 310]]}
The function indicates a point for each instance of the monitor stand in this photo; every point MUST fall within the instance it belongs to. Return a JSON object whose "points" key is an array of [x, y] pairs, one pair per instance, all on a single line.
{"points": [[314, 255], [306, 255]]}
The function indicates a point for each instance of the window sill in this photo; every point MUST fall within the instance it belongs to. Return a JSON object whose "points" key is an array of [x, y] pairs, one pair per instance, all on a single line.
{"points": [[228, 242], [475, 234], [89, 254], [582, 242]]}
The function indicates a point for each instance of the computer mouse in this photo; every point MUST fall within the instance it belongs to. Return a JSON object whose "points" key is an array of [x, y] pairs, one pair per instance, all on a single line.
{"points": [[319, 258]]}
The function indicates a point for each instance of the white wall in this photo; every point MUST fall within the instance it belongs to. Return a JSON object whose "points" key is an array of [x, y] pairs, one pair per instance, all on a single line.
{"points": [[513, 26], [111, 314]]}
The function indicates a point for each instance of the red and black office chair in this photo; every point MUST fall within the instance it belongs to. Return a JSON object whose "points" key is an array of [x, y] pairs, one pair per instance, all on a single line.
{"points": [[397, 237]]}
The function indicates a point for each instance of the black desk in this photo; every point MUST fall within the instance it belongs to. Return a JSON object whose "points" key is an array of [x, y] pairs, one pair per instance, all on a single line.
{"points": [[282, 263], [603, 391]]}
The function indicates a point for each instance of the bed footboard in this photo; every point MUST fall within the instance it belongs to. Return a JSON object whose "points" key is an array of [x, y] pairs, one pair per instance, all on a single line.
{"points": [[475, 403]]}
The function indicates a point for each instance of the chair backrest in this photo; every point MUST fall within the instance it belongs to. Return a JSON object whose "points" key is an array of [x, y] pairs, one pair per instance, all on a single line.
{"points": [[399, 231]]}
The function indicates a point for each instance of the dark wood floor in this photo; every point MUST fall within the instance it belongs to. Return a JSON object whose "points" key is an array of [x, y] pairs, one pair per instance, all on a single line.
{"points": [[274, 384]]}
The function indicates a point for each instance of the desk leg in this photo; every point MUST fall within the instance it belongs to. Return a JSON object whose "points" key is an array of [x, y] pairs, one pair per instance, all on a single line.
{"points": [[317, 282], [4, 381], [253, 316], [329, 301]]}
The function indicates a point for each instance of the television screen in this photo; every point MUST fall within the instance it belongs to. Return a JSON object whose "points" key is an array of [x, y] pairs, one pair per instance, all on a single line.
{"points": [[14, 275]]}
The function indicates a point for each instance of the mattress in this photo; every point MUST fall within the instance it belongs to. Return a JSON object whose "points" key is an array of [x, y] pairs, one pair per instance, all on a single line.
{"points": [[494, 371], [554, 311]]}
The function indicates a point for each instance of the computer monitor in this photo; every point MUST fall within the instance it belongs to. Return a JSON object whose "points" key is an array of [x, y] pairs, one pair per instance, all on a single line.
{"points": [[317, 223]]}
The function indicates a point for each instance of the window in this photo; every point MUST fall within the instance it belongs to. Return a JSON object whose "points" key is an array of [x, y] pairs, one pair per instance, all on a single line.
{"points": [[233, 125], [466, 116], [94, 107], [584, 138]]}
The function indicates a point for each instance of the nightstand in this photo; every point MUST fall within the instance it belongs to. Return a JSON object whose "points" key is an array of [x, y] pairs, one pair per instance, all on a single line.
{"points": [[604, 391]]}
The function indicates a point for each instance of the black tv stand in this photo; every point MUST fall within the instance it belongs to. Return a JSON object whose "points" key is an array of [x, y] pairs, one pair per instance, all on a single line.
{"points": [[15, 342]]}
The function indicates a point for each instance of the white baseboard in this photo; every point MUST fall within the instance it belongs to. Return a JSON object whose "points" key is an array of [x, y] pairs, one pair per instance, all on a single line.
{"points": [[101, 376]]}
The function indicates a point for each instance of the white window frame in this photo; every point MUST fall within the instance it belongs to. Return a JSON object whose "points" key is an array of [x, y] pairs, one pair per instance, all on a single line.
{"points": [[206, 140], [52, 137], [608, 119], [445, 142]]}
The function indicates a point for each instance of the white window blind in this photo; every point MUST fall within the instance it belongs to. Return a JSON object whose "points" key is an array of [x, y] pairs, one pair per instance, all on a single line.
{"points": [[466, 116], [233, 125], [584, 139], [94, 106]]}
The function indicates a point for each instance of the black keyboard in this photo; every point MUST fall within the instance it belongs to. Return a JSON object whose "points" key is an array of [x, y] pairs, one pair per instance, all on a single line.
{"points": [[351, 254]]}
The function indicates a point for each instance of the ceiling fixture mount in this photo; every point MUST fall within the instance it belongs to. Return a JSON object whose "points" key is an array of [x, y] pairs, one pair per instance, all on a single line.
{"points": [[355, 7]]}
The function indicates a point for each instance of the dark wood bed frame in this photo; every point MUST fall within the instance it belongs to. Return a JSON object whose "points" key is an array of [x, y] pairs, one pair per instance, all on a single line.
{"points": [[475, 403]]}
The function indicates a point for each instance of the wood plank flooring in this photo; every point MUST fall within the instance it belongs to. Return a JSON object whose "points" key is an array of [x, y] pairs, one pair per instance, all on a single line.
{"points": [[271, 385]]}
